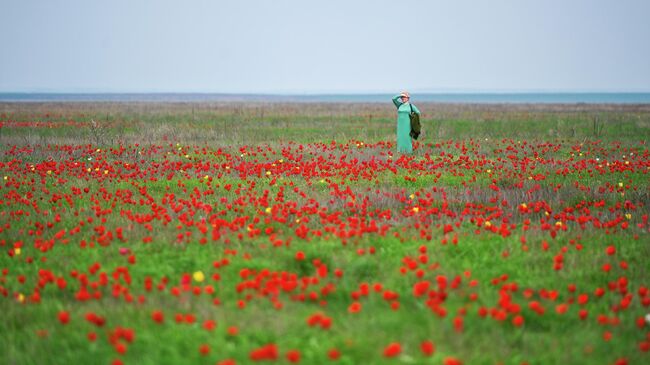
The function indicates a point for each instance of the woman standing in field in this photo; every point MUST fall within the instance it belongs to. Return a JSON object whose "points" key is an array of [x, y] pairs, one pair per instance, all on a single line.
{"points": [[403, 105]]}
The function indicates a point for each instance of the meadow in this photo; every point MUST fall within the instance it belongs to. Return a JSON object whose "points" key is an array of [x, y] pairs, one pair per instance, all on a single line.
{"points": [[238, 233]]}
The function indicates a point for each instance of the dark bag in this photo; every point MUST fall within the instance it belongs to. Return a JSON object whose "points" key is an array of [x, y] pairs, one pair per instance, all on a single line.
{"points": [[415, 124]]}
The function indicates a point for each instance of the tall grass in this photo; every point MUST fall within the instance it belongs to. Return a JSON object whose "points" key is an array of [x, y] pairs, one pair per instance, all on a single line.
{"points": [[256, 123]]}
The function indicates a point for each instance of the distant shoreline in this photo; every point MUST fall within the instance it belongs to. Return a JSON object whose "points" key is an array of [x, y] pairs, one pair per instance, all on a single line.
{"points": [[461, 98]]}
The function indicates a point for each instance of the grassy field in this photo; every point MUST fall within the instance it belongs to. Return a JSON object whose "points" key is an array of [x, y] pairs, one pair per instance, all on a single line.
{"points": [[230, 233]]}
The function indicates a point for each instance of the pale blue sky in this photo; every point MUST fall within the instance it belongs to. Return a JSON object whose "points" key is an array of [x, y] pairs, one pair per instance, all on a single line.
{"points": [[292, 46]]}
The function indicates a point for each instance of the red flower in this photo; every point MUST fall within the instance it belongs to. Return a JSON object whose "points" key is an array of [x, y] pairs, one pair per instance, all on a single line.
{"points": [[64, 317], [95, 319], [611, 250], [607, 335], [427, 347], [644, 346], [355, 307], [582, 313], [267, 352], [420, 288], [204, 349], [452, 361], [393, 349], [326, 323], [458, 324], [227, 362], [333, 354], [583, 299], [158, 316], [293, 356], [209, 325], [120, 348]]}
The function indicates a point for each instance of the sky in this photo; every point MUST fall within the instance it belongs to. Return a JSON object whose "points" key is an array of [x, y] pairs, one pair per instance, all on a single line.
{"points": [[333, 46]]}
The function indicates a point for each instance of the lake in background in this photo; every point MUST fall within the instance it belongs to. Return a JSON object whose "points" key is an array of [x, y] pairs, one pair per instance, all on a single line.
{"points": [[490, 98]]}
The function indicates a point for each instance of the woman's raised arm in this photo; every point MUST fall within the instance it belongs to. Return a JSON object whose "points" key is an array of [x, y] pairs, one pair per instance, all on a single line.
{"points": [[397, 101]]}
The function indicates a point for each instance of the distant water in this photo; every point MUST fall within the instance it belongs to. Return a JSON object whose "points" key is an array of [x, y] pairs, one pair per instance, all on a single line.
{"points": [[489, 98]]}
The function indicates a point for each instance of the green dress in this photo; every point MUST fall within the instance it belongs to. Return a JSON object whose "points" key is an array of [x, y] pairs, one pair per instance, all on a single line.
{"points": [[404, 125]]}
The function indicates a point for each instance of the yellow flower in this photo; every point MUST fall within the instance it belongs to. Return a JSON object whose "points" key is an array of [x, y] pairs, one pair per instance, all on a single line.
{"points": [[198, 276]]}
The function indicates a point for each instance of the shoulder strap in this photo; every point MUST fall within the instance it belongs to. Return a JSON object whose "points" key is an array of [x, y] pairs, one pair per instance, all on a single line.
{"points": [[411, 105]]}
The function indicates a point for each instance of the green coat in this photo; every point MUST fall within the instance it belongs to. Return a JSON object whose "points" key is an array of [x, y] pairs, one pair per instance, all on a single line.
{"points": [[404, 125]]}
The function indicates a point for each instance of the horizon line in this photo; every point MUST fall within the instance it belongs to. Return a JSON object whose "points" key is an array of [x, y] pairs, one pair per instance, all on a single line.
{"points": [[326, 92]]}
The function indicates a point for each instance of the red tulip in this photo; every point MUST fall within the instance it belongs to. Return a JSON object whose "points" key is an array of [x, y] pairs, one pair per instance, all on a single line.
{"points": [[157, 316], [293, 356], [204, 349], [64, 317], [393, 349], [427, 347]]}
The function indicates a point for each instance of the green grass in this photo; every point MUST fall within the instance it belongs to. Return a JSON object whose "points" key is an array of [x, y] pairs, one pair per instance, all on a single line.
{"points": [[365, 333]]}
